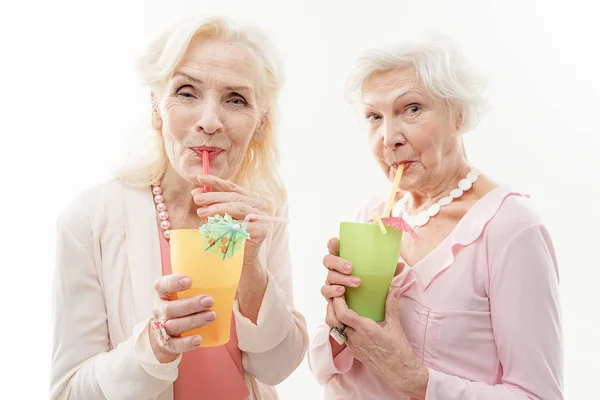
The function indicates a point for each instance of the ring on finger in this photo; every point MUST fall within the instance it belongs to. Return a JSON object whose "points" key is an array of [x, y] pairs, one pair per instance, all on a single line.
{"points": [[339, 334], [158, 327]]}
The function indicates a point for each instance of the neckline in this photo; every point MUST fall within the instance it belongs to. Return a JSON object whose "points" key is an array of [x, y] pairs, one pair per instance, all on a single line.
{"points": [[456, 227]]}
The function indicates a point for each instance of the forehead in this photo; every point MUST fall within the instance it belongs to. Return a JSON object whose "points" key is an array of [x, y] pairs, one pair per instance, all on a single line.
{"points": [[391, 83], [229, 62]]}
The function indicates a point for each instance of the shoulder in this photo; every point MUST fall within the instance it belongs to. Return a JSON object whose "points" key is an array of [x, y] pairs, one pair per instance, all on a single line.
{"points": [[516, 212], [82, 212], [516, 224]]}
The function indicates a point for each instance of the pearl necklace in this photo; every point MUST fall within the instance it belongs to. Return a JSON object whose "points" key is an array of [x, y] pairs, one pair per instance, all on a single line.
{"points": [[161, 209], [424, 216]]}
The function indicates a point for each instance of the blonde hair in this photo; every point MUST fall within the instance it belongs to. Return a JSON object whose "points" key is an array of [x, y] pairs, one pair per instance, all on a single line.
{"points": [[438, 64], [259, 169]]}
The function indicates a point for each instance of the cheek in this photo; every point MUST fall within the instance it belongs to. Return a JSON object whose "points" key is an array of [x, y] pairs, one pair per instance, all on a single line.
{"points": [[424, 138], [178, 121], [240, 129]]}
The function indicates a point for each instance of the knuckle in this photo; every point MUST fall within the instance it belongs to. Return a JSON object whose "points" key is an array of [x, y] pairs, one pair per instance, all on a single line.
{"points": [[171, 327], [165, 310], [345, 315], [188, 307], [330, 321], [330, 278], [334, 278], [176, 345], [159, 284], [202, 319]]}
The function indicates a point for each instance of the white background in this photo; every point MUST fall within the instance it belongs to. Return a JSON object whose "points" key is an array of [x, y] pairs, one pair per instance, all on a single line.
{"points": [[70, 98]]}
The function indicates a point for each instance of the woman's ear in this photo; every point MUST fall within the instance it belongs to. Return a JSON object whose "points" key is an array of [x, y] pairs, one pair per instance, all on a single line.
{"points": [[458, 119], [156, 118]]}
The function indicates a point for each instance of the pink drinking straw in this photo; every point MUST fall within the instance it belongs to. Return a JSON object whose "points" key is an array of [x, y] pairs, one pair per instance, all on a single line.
{"points": [[256, 217], [206, 167]]}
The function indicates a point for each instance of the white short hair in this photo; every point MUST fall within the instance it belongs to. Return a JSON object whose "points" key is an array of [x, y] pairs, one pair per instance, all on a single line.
{"points": [[439, 65], [258, 171]]}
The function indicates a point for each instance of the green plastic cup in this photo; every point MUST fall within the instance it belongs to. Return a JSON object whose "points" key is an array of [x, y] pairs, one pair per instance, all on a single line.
{"points": [[374, 257]]}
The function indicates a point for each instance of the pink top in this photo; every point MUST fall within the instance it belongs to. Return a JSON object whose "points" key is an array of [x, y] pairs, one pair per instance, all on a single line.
{"points": [[208, 372], [481, 312]]}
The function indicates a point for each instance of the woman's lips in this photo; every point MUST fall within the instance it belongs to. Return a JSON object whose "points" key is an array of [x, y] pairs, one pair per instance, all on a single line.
{"points": [[213, 152], [407, 164]]}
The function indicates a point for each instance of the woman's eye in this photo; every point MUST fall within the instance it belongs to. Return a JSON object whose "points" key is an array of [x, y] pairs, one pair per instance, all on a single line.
{"points": [[185, 91], [413, 108], [238, 101]]}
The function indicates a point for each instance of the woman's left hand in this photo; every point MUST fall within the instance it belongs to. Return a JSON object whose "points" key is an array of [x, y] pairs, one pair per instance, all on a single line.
{"points": [[226, 197], [383, 347]]}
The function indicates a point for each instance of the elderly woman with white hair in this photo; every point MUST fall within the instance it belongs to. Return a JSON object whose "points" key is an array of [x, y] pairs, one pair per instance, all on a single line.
{"points": [[213, 89], [473, 310]]}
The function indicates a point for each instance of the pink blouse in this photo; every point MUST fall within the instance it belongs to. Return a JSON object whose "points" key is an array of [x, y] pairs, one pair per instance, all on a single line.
{"points": [[208, 372], [481, 312]]}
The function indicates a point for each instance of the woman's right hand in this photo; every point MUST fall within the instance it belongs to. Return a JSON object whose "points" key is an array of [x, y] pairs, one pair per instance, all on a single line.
{"points": [[178, 315], [338, 278]]}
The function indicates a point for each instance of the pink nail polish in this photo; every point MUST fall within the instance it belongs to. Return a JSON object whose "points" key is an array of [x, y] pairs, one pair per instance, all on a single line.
{"points": [[196, 341], [207, 301], [211, 316]]}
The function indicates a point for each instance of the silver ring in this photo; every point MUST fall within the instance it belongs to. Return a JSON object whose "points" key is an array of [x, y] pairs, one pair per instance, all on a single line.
{"points": [[338, 334]]}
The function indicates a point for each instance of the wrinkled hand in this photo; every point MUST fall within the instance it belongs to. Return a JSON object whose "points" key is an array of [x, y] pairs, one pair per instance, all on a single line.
{"points": [[180, 315], [226, 197], [383, 347]]}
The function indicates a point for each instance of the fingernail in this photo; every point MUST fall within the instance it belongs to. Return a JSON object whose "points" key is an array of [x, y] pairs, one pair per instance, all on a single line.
{"points": [[207, 301], [210, 316], [356, 280], [340, 289], [196, 341], [184, 282], [348, 267]]}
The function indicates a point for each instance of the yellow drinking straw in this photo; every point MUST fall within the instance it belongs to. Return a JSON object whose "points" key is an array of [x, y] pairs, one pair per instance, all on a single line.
{"points": [[390, 203], [377, 219]]}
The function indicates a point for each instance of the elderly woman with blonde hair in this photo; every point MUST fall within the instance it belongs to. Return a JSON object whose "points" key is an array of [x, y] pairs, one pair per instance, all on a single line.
{"points": [[473, 310], [214, 90]]}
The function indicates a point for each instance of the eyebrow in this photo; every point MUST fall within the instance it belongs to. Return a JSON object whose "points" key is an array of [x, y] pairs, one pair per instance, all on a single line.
{"points": [[197, 81], [409, 91]]}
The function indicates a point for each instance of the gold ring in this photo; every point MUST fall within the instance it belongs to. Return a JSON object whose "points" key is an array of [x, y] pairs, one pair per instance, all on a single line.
{"points": [[338, 334]]}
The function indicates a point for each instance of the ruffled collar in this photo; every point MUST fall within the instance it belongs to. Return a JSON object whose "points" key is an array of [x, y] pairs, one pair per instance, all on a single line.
{"points": [[466, 232]]}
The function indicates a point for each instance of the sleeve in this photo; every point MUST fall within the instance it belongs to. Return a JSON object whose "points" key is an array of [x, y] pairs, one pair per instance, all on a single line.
{"points": [[84, 366], [526, 321], [323, 366], [320, 354], [276, 345]]}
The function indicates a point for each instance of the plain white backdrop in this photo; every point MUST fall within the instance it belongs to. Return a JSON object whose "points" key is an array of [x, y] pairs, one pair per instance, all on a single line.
{"points": [[70, 99]]}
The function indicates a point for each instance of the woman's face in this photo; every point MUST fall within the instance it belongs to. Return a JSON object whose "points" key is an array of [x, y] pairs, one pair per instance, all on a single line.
{"points": [[210, 103], [406, 125]]}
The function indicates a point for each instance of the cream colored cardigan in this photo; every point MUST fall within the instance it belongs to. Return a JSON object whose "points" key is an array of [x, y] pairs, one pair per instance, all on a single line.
{"points": [[108, 257]]}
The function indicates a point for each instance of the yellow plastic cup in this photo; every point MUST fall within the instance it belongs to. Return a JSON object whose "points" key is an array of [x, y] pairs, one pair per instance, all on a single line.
{"points": [[211, 275]]}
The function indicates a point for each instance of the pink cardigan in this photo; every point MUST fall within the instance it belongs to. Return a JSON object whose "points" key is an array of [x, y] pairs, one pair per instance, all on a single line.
{"points": [[481, 312]]}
